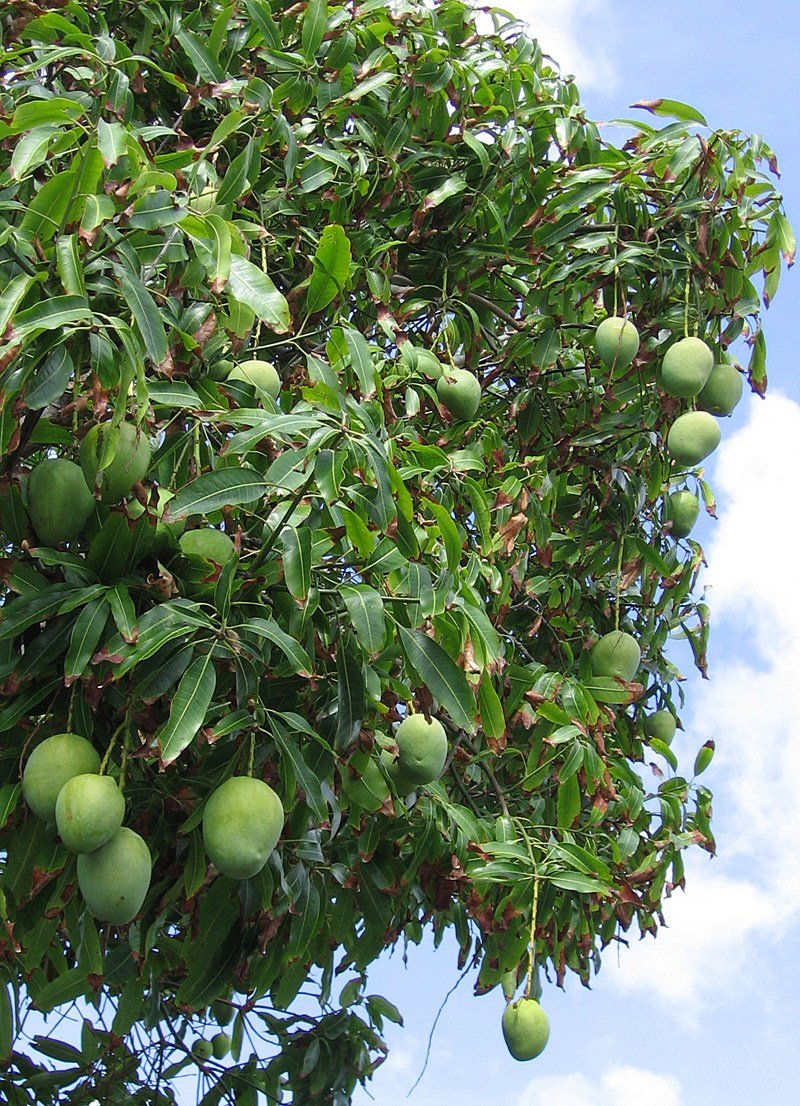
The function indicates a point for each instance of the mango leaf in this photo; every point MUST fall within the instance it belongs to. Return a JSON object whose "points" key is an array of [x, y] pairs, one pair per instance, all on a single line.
{"points": [[207, 66], [50, 380], [189, 708], [111, 141], [314, 22], [305, 777], [85, 638], [6, 1023], [674, 108], [52, 314], [493, 723], [298, 658], [350, 695], [228, 487], [64, 988], [365, 607], [145, 313], [361, 360], [441, 675], [297, 561], [331, 268], [251, 286]]}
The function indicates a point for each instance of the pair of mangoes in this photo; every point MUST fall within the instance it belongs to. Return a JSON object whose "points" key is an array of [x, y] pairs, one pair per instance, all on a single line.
{"points": [[60, 497], [62, 786]]}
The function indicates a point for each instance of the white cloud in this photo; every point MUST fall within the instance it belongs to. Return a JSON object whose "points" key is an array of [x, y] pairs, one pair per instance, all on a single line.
{"points": [[736, 905], [579, 34], [624, 1086]]}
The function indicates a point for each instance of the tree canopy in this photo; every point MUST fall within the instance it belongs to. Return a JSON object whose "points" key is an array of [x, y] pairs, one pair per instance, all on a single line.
{"points": [[434, 499]]}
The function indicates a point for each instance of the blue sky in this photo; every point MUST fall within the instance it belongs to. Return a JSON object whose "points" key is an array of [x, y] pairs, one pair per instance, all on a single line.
{"points": [[709, 1012]]}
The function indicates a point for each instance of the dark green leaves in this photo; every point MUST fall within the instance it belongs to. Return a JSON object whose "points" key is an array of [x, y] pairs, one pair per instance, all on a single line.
{"points": [[331, 268], [350, 695], [441, 675], [251, 286], [146, 315], [189, 707], [225, 487]]}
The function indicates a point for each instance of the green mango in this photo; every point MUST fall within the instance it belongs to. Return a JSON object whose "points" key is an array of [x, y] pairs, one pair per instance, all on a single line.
{"points": [[722, 391], [59, 503], [242, 822], [128, 465], [616, 654], [51, 765], [525, 1028], [422, 749], [89, 811], [262, 375], [616, 342], [686, 367], [682, 509], [459, 391], [115, 878], [660, 724], [220, 1045], [692, 437]]}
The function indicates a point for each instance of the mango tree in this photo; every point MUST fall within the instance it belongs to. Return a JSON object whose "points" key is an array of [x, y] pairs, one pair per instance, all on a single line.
{"points": [[341, 549]]}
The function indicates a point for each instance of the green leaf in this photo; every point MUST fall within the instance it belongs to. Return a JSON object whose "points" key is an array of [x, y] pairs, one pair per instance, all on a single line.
{"points": [[68, 262], [576, 881], [110, 548], [261, 15], [189, 708], [64, 988], [85, 638], [350, 695], [51, 315], [227, 487], [287, 743], [361, 360], [251, 286], [11, 297], [50, 380], [36, 113], [111, 141], [123, 611], [441, 675], [448, 532], [331, 268], [568, 803], [207, 66], [129, 1007], [365, 607], [32, 149], [9, 797], [306, 917], [491, 709], [297, 561], [6, 1023], [236, 180], [314, 21], [145, 314], [48, 209], [298, 658], [674, 108]]}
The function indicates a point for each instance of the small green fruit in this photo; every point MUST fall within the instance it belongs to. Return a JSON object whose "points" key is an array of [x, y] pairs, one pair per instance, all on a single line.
{"points": [[722, 391], [59, 502], [206, 201], [262, 375], [129, 464], [50, 765], [242, 822], [616, 342], [221, 1045], [686, 367], [660, 724], [681, 509], [220, 370], [89, 811], [422, 749], [202, 1049], [459, 391], [369, 790], [525, 1028], [429, 364], [692, 437], [208, 543], [114, 879], [616, 654]]}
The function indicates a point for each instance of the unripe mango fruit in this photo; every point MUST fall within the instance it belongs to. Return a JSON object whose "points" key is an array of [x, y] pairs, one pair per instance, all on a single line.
{"points": [[128, 465], [722, 391], [692, 437], [59, 502], [660, 724], [242, 822], [686, 367], [89, 811], [208, 543], [616, 342], [368, 790], [422, 749], [616, 654], [114, 878], [221, 1045], [51, 765], [202, 1049], [525, 1028], [681, 509], [262, 375], [459, 391]]}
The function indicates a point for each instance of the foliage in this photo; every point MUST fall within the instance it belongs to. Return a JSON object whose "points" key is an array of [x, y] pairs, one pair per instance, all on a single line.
{"points": [[184, 186]]}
